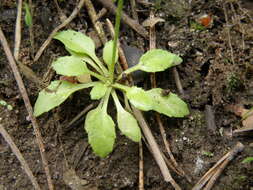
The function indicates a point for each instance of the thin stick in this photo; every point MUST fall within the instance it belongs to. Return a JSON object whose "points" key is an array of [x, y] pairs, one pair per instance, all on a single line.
{"points": [[167, 145], [66, 22], [141, 167], [152, 45], [31, 35], [133, 9], [178, 81], [155, 148], [19, 156], [18, 30], [125, 18], [101, 13], [96, 23], [76, 118], [23, 92], [60, 12], [228, 33]]}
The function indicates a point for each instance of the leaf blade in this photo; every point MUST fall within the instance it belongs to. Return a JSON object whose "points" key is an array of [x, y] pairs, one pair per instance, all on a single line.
{"points": [[139, 98], [170, 105], [157, 60], [126, 121], [128, 125], [98, 91], [70, 66], [55, 94], [77, 42], [101, 131], [108, 53]]}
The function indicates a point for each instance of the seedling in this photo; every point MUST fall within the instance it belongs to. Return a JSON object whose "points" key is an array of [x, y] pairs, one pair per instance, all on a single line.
{"points": [[28, 16], [5, 104], [248, 160], [82, 61]]}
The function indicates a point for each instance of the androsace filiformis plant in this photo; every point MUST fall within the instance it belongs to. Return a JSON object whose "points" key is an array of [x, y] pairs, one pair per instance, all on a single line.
{"points": [[82, 61]]}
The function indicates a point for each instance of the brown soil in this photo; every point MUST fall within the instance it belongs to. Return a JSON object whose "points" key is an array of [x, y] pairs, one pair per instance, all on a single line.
{"points": [[210, 75]]}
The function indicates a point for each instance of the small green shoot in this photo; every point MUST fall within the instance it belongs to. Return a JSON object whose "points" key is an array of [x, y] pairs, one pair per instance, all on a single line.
{"points": [[247, 160], [98, 123], [28, 16], [207, 153], [5, 104]]}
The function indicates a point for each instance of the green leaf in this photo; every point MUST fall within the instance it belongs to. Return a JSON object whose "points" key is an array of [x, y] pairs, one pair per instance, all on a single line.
{"points": [[107, 53], [70, 66], [28, 16], [101, 131], [139, 98], [248, 160], [98, 91], [126, 121], [55, 94], [156, 60], [170, 105], [128, 125], [77, 42]]}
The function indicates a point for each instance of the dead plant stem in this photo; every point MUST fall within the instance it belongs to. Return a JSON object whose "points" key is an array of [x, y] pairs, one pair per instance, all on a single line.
{"points": [[24, 94], [62, 25], [19, 156]]}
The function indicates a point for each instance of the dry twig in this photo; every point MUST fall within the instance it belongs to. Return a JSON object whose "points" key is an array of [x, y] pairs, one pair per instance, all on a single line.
{"points": [[101, 13], [178, 81], [93, 16], [155, 149], [141, 167], [23, 92], [228, 33], [133, 9], [60, 12], [212, 174], [76, 118], [18, 31], [125, 18], [19, 156], [66, 22], [31, 35]]}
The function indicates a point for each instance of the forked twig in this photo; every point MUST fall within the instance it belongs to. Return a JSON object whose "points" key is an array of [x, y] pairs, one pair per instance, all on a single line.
{"points": [[155, 148], [23, 92], [20, 157], [96, 23], [212, 174], [66, 22]]}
